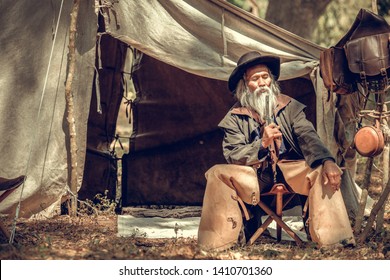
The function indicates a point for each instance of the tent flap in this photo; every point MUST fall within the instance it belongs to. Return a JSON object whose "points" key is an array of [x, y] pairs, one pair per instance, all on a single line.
{"points": [[210, 35], [32, 106]]}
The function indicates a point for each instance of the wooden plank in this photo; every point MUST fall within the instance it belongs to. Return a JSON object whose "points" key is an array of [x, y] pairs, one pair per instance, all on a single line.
{"points": [[163, 211]]}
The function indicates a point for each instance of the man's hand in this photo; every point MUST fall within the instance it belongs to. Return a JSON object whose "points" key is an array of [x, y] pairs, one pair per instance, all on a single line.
{"points": [[271, 133], [332, 174]]}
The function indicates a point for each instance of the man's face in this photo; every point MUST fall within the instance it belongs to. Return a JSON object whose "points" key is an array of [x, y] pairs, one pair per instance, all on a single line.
{"points": [[258, 76]]}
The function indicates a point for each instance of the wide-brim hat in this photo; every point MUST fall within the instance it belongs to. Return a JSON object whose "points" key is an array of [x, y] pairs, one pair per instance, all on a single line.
{"points": [[251, 59]]}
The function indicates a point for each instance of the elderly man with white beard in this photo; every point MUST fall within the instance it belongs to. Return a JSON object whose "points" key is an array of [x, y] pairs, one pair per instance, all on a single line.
{"points": [[234, 189]]}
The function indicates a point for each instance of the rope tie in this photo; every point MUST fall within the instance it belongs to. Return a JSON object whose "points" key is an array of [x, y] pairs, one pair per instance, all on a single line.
{"points": [[99, 50], [97, 90], [106, 6], [129, 107], [117, 140]]}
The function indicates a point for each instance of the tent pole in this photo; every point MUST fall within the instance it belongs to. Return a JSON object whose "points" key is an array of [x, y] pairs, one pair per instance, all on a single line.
{"points": [[374, 6], [70, 106]]}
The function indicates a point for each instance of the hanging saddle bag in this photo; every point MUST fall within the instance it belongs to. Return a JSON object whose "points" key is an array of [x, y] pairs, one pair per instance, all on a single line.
{"points": [[335, 72], [360, 55], [368, 57]]}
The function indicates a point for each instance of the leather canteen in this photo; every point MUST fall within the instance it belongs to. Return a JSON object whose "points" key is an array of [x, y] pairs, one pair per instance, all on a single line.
{"points": [[369, 56], [369, 141]]}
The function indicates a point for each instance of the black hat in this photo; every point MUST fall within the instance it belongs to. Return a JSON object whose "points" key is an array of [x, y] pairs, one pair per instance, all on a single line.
{"points": [[251, 59]]}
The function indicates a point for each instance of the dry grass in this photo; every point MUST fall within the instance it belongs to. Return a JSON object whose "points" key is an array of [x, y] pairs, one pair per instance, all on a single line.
{"points": [[94, 237]]}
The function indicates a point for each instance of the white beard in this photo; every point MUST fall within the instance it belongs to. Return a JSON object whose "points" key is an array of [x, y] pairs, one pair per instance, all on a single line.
{"points": [[256, 100]]}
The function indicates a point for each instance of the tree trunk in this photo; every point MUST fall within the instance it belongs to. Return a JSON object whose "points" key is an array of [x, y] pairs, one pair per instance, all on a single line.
{"points": [[375, 210], [381, 214], [297, 16], [385, 161], [70, 106]]}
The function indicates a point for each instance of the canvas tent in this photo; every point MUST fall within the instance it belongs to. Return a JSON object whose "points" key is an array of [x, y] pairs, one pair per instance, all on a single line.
{"points": [[178, 54]]}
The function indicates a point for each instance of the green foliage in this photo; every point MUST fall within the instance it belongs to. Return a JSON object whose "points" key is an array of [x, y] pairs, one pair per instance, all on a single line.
{"points": [[238, 3], [247, 5], [383, 7], [337, 20]]}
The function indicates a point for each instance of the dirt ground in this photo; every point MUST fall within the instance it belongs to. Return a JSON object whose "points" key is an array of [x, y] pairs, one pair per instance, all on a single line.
{"points": [[94, 237]]}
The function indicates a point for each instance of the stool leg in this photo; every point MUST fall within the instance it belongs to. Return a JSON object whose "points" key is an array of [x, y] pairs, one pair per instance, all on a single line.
{"points": [[260, 231], [281, 223], [279, 211]]}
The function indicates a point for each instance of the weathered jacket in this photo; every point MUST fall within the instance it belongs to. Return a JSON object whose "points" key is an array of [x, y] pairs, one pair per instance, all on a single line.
{"points": [[243, 132]]}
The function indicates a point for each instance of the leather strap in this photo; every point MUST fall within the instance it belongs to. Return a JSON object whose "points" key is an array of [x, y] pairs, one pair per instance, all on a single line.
{"points": [[242, 205]]}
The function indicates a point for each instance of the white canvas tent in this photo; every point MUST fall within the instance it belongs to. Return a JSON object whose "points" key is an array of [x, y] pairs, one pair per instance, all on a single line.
{"points": [[201, 37], [34, 59]]}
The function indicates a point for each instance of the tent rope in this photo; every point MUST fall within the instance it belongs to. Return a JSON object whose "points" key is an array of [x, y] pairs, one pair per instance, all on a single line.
{"points": [[100, 67], [223, 36], [17, 211], [97, 91]]}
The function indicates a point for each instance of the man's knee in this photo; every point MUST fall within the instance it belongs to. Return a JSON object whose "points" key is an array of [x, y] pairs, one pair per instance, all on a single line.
{"points": [[218, 170]]}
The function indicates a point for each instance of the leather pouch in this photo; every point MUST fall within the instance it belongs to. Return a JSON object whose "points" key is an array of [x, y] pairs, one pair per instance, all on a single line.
{"points": [[368, 56], [335, 72]]}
